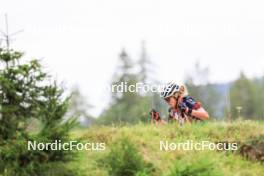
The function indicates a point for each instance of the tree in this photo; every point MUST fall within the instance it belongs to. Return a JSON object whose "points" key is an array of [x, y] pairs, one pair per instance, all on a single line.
{"points": [[260, 96], [79, 107], [243, 93], [124, 74], [26, 92], [126, 106], [143, 63]]}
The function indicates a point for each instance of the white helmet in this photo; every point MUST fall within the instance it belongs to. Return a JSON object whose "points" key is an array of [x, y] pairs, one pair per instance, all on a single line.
{"points": [[169, 90]]}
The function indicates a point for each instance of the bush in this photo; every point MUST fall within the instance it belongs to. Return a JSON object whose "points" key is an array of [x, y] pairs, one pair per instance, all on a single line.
{"points": [[200, 166], [125, 159], [16, 159]]}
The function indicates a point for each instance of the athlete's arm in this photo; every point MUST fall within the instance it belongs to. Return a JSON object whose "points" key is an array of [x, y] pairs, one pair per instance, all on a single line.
{"points": [[200, 113]]}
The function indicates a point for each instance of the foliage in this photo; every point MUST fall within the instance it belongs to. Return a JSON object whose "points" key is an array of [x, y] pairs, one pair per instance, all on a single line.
{"points": [[146, 138], [26, 92], [126, 106], [125, 159], [243, 93], [201, 166], [79, 107]]}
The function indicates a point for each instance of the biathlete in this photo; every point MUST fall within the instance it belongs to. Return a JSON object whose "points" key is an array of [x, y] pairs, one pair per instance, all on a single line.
{"points": [[183, 108]]}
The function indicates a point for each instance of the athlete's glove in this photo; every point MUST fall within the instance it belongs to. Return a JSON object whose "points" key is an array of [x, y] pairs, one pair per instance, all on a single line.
{"points": [[154, 114]]}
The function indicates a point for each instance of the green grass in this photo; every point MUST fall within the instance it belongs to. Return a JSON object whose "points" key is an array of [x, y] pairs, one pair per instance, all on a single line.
{"points": [[147, 139]]}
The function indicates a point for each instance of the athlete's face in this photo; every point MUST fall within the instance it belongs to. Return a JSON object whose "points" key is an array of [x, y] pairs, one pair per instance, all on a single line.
{"points": [[171, 101]]}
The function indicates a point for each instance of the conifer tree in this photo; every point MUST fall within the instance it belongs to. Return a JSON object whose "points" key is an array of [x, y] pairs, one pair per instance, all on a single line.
{"points": [[243, 93], [26, 93]]}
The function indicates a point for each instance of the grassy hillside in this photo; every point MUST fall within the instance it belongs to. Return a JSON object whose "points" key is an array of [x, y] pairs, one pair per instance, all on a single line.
{"points": [[146, 139]]}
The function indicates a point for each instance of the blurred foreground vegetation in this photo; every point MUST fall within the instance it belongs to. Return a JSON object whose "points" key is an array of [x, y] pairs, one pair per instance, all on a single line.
{"points": [[134, 150]]}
